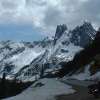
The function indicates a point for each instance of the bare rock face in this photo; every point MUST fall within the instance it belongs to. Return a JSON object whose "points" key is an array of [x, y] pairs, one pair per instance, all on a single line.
{"points": [[82, 35], [59, 31]]}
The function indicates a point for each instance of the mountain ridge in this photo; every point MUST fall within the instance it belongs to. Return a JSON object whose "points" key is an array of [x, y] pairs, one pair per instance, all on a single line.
{"points": [[46, 54]]}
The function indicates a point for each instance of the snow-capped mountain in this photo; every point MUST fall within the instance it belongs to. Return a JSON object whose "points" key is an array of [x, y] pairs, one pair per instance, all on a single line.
{"points": [[24, 60], [83, 35]]}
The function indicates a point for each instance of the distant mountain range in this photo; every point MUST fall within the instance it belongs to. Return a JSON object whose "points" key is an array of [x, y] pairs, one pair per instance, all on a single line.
{"points": [[26, 60]]}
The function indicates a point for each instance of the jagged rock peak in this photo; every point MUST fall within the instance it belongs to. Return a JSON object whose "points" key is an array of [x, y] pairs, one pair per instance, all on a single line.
{"points": [[60, 30], [82, 35], [88, 28], [87, 24]]}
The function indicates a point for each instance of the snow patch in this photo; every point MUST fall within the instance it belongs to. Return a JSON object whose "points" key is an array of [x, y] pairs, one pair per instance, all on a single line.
{"points": [[24, 58], [82, 76], [47, 91]]}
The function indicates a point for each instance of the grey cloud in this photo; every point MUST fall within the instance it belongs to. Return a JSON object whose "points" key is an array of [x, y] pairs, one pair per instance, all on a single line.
{"points": [[74, 13], [52, 16], [8, 5], [35, 2], [91, 10], [48, 15], [81, 10]]}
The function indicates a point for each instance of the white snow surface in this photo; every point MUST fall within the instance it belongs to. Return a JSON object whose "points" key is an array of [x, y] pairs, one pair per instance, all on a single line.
{"points": [[72, 50], [50, 89], [21, 55], [24, 58]]}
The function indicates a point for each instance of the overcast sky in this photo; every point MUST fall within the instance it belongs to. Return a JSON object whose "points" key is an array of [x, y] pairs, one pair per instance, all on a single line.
{"points": [[32, 19]]}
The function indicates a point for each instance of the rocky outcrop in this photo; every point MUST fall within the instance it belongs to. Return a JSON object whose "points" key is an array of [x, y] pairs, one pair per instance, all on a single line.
{"points": [[59, 31], [83, 35]]}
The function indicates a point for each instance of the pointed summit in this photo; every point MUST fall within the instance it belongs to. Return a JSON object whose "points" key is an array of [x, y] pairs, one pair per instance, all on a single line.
{"points": [[82, 35], [59, 31]]}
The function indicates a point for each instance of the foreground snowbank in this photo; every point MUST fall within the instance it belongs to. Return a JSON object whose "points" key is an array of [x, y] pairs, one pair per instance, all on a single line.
{"points": [[85, 75], [48, 89]]}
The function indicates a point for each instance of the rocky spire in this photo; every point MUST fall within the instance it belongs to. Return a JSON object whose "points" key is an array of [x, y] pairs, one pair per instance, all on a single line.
{"points": [[59, 31]]}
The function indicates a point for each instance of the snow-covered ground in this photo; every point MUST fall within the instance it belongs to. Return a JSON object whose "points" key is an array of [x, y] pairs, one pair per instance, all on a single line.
{"points": [[49, 89], [24, 58], [85, 75]]}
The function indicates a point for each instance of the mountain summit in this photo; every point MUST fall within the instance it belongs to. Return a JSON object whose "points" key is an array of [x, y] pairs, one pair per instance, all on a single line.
{"points": [[60, 31], [82, 35]]}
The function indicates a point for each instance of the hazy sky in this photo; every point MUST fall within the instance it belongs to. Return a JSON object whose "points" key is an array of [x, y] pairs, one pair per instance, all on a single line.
{"points": [[32, 19]]}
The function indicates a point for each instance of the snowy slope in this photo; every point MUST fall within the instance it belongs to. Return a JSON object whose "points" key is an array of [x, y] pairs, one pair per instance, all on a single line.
{"points": [[49, 89], [14, 56], [24, 60], [62, 51]]}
